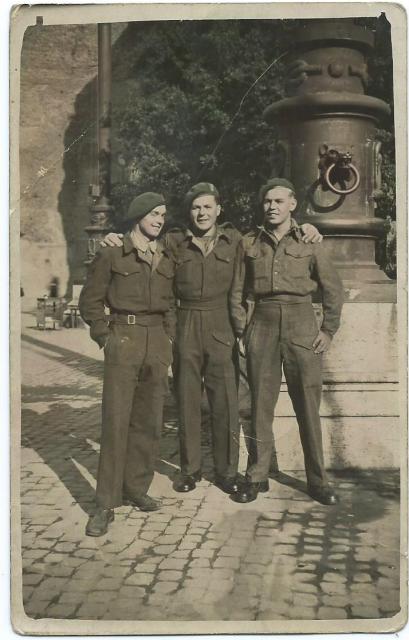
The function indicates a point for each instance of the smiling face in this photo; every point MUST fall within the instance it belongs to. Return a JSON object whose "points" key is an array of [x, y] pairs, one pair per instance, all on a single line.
{"points": [[204, 212], [278, 204], [151, 225]]}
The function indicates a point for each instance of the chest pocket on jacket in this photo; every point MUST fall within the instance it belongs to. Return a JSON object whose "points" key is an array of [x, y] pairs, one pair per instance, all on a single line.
{"points": [[224, 265], [165, 268], [127, 280], [258, 266], [298, 260], [126, 271], [260, 272], [188, 274]]}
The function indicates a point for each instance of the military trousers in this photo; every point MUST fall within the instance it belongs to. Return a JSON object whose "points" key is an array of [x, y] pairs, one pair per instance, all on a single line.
{"points": [[205, 356], [280, 337], [135, 385]]}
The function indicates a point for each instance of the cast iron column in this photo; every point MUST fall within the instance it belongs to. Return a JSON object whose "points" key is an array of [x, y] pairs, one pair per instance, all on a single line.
{"points": [[101, 210], [329, 149]]}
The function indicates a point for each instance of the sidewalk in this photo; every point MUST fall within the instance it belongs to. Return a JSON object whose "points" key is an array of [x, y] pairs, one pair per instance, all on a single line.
{"points": [[202, 556]]}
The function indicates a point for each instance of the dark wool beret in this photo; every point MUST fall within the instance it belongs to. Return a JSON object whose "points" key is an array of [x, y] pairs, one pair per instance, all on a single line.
{"points": [[200, 189], [141, 205], [275, 182]]}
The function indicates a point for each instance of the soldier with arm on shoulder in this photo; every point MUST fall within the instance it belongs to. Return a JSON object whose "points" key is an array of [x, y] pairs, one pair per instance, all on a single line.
{"points": [[280, 273]]}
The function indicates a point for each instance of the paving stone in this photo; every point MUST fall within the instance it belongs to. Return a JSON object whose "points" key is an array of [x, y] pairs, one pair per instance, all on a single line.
{"points": [[229, 563], [160, 517], [192, 539], [108, 584], [64, 547], [84, 553], [27, 593], [177, 564], [187, 545], [61, 610], [170, 576], [32, 579], [182, 553], [301, 613], [154, 526], [165, 587], [331, 576], [168, 539], [145, 567], [164, 549], [203, 553], [362, 611], [306, 587], [71, 598], [174, 530], [250, 568], [179, 521], [100, 596], [74, 562], [79, 585], [362, 577], [149, 535], [230, 551], [139, 579], [336, 601], [305, 600], [92, 611], [333, 588], [130, 592], [331, 613]]}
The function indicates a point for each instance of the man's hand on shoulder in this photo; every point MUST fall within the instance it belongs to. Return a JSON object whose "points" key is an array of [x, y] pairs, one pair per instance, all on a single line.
{"points": [[322, 342], [112, 240], [310, 233]]}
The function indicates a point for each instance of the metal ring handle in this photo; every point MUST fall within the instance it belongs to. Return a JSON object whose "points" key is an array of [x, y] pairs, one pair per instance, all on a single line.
{"points": [[343, 192]]}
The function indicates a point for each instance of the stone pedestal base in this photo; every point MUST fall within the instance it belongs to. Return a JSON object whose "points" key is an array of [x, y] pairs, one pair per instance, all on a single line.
{"points": [[360, 400]]}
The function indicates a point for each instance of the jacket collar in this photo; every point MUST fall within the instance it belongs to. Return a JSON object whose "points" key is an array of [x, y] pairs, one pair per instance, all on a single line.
{"points": [[294, 231], [128, 245], [220, 233]]}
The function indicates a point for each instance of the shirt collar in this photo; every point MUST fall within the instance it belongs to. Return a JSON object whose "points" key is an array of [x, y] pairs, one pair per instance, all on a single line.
{"points": [[139, 242], [294, 231], [218, 233]]}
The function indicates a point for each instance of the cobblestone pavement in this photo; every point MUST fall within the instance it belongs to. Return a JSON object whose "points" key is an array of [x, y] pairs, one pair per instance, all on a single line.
{"points": [[202, 556]]}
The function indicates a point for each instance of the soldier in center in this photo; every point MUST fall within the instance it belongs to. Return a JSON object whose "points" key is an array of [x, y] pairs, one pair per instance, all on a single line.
{"points": [[204, 255]]}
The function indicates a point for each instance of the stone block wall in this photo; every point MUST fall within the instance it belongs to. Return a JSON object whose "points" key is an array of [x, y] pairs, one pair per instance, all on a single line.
{"points": [[57, 153]]}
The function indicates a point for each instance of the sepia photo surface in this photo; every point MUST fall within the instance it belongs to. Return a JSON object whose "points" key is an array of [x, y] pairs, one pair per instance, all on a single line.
{"points": [[202, 440]]}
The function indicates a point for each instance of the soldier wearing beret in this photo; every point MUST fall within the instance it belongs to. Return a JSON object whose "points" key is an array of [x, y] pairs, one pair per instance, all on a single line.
{"points": [[277, 270], [136, 282], [204, 253]]}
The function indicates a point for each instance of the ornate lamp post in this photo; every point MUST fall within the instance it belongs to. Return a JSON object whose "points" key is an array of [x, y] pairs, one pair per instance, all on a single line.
{"points": [[101, 210], [329, 149]]}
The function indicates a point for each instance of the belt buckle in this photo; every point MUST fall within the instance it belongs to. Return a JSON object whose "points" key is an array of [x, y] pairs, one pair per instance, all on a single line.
{"points": [[131, 318]]}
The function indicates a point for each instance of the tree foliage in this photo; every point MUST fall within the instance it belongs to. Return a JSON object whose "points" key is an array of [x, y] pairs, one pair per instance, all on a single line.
{"points": [[182, 117]]}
